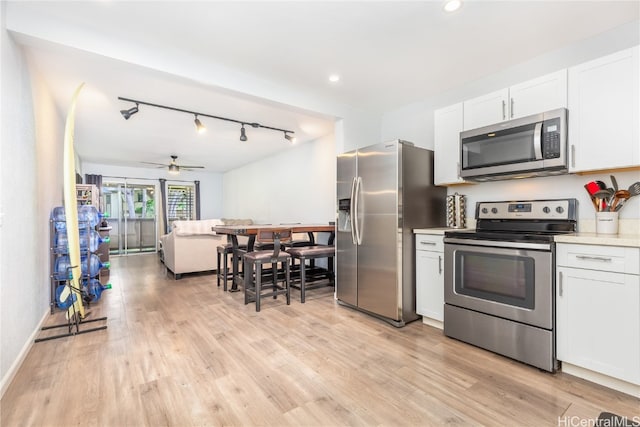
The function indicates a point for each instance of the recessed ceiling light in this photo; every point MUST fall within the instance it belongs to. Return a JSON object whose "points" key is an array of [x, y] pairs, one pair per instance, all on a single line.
{"points": [[334, 78], [452, 5]]}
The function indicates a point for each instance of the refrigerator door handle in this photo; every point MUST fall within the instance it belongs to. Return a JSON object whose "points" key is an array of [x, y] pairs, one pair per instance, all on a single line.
{"points": [[357, 211], [352, 221]]}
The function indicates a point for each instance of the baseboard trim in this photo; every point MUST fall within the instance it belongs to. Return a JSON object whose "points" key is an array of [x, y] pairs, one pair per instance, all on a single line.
{"points": [[15, 366], [605, 380], [432, 322]]}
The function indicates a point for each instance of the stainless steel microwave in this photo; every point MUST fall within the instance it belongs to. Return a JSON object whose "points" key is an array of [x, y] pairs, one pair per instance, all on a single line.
{"points": [[530, 146]]}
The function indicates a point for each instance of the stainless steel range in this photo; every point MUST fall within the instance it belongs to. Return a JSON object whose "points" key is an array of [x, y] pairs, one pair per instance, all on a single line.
{"points": [[500, 278]]}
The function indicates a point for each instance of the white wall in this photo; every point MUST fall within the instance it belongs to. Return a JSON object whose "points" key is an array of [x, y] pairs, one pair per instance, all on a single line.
{"points": [[210, 183], [415, 123], [297, 185], [30, 184]]}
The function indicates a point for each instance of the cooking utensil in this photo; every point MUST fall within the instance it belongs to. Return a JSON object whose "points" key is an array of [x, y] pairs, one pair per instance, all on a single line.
{"points": [[634, 188], [621, 195], [602, 196], [601, 184], [591, 187], [611, 197], [620, 205], [614, 183]]}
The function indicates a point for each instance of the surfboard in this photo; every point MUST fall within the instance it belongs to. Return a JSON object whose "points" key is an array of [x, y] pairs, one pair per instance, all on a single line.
{"points": [[71, 212]]}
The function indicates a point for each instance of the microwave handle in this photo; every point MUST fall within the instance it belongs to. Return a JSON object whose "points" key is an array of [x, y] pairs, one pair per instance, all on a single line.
{"points": [[537, 141]]}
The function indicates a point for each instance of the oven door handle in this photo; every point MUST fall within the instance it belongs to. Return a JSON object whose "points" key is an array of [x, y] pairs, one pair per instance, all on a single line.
{"points": [[498, 244]]}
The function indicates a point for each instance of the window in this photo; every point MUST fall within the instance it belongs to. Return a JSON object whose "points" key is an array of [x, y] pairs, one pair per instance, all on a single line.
{"points": [[180, 202]]}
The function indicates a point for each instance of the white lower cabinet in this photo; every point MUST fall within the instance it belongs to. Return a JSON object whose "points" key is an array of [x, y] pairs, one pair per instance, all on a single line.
{"points": [[430, 278], [598, 310]]}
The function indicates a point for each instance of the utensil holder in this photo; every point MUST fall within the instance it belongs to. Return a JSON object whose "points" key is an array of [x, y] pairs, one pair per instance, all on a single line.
{"points": [[607, 222], [456, 211]]}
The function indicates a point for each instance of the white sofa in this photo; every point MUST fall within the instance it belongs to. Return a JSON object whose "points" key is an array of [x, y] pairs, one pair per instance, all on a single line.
{"points": [[191, 245]]}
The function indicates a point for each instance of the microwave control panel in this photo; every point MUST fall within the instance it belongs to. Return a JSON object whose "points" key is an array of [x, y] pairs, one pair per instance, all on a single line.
{"points": [[551, 139]]}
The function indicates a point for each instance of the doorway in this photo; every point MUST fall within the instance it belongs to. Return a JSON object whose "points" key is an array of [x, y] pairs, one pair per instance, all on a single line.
{"points": [[131, 210]]}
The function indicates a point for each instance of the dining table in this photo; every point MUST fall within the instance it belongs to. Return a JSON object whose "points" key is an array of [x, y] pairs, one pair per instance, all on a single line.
{"points": [[250, 231]]}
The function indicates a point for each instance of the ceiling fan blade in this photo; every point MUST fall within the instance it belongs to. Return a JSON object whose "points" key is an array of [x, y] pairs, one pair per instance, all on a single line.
{"points": [[157, 164], [191, 167]]}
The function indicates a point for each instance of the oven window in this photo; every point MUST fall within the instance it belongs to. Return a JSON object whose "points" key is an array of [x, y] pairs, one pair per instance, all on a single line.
{"points": [[508, 279]]}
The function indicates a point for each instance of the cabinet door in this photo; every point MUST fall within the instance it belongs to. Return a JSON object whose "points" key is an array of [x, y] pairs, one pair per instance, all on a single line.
{"points": [[538, 95], [603, 112], [486, 110], [598, 321], [447, 124], [430, 284]]}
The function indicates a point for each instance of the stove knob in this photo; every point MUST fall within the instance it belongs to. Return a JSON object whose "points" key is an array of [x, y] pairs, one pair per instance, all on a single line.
{"points": [[485, 210], [494, 210], [546, 209], [559, 209]]}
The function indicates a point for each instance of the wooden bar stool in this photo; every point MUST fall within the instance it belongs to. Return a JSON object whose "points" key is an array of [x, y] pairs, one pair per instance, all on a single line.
{"points": [[313, 253], [224, 275], [253, 285]]}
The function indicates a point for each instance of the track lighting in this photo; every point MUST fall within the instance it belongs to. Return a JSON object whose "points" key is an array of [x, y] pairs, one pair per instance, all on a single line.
{"points": [[130, 112], [290, 138], [199, 126]]}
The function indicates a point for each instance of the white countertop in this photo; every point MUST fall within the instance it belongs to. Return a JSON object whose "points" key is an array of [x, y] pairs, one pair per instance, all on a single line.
{"points": [[437, 230], [627, 240]]}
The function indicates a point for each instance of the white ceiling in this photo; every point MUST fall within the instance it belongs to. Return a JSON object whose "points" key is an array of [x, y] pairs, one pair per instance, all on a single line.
{"points": [[389, 54]]}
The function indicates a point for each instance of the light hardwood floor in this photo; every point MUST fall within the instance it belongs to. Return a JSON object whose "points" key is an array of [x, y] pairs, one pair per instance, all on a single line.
{"points": [[184, 352]]}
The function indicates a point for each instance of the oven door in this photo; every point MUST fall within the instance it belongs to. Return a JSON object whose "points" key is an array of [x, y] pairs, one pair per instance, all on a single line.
{"points": [[514, 282]]}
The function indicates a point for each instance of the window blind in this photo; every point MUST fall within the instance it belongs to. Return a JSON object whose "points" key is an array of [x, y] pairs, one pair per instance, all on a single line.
{"points": [[180, 202]]}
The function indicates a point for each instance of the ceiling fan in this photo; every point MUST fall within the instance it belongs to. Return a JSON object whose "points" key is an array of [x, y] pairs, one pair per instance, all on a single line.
{"points": [[173, 167]]}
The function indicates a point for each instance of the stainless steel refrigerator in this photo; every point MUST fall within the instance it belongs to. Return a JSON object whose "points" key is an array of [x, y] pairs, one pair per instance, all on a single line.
{"points": [[384, 192]]}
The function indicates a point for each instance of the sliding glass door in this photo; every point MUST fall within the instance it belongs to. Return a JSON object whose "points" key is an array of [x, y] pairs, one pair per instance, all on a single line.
{"points": [[132, 216]]}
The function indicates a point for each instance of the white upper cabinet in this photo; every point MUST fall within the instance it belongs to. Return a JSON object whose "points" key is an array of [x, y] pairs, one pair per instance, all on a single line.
{"points": [[604, 124], [486, 109], [524, 99], [447, 124], [538, 95]]}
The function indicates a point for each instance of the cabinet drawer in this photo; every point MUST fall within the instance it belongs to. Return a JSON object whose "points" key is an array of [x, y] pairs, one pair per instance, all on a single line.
{"points": [[429, 242], [603, 258]]}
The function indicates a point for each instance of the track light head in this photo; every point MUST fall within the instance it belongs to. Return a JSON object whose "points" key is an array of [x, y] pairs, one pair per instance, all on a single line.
{"points": [[243, 134], [199, 126], [130, 112], [291, 138]]}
